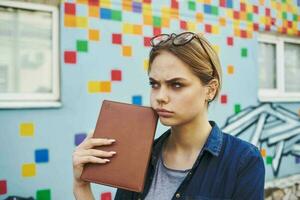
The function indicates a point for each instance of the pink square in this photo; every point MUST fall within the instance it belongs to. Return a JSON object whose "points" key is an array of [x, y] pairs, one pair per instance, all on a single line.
{"points": [[183, 24], [116, 75], [3, 187], [116, 38], [207, 28], [223, 99], [70, 8], [156, 30], [147, 41], [230, 41], [70, 57], [106, 196]]}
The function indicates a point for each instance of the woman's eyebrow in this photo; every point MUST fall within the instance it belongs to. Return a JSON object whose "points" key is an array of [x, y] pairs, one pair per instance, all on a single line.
{"points": [[170, 80]]}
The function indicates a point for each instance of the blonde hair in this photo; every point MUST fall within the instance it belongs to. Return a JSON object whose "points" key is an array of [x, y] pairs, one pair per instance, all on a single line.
{"points": [[204, 63]]}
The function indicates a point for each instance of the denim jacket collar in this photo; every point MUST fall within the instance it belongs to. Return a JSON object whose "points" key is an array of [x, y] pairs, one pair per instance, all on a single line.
{"points": [[212, 145]]}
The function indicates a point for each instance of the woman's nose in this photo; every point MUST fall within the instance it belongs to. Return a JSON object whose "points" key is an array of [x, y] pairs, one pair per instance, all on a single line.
{"points": [[162, 96]]}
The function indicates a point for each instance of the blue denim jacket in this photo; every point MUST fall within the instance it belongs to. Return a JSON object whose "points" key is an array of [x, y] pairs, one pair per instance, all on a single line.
{"points": [[226, 168]]}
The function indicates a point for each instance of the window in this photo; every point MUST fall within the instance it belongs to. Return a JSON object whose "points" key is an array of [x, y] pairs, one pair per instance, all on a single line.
{"points": [[279, 68], [29, 64]]}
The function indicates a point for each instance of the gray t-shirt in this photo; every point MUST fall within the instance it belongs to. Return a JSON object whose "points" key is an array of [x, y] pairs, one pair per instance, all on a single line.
{"points": [[165, 181]]}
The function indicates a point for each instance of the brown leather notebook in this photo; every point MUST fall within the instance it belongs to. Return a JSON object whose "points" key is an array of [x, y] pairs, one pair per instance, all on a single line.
{"points": [[133, 127]]}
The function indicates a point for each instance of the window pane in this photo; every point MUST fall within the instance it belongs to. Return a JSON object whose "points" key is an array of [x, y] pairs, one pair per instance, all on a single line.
{"points": [[267, 65], [292, 67], [25, 51]]}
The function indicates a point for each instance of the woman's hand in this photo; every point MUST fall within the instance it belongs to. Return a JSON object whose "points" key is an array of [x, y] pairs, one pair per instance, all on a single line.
{"points": [[85, 154]]}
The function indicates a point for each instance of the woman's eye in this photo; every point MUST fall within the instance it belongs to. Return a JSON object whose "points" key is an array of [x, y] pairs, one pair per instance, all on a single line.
{"points": [[176, 85], [153, 85]]}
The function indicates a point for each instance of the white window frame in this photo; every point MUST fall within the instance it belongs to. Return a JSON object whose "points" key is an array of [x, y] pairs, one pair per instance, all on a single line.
{"points": [[278, 94], [23, 100]]}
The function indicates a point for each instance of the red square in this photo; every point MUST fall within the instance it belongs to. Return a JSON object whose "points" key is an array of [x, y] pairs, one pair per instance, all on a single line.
{"points": [[284, 30], [208, 28], [183, 24], [147, 1], [116, 75], [273, 21], [70, 8], [267, 28], [94, 2], [268, 11], [290, 24], [106, 196], [242, 6], [255, 9], [116, 38], [255, 26], [243, 34], [174, 4], [70, 57], [223, 3], [3, 187], [223, 99], [236, 14], [230, 41], [298, 33], [156, 30], [147, 41]]}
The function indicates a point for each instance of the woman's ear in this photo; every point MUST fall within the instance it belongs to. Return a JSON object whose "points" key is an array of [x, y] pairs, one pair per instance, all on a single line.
{"points": [[213, 86]]}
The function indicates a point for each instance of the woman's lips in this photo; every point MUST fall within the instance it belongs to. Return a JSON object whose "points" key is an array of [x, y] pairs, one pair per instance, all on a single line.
{"points": [[164, 113]]}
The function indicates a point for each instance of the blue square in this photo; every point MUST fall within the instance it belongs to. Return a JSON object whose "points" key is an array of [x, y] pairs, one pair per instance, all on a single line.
{"points": [[137, 7], [137, 100], [105, 13], [41, 155], [79, 138], [207, 9], [229, 4]]}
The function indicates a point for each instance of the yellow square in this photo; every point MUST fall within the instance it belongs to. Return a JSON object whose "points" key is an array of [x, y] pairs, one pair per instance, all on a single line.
{"points": [[165, 22], [215, 30], [105, 3], [70, 21], [93, 86], [263, 152], [26, 129], [230, 69], [126, 5], [207, 1], [199, 17], [93, 11], [146, 64], [237, 32], [261, 2], [191, 26], [148, 19], [137, 29], [147, 9], [28, 170], [127, 51], [94, 35], [82, 1], [127, 28], [249, 8], [222, 21], [81, 22], [105, 86], [174, 13], [165, 12], [229, 14], [243, 15]]}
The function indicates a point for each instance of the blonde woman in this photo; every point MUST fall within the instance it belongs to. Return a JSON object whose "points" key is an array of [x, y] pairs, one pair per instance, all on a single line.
{"points": [[194, 159]]}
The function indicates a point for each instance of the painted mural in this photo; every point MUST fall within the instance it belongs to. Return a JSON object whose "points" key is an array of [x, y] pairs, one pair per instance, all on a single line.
{"points": [[104, 49]]}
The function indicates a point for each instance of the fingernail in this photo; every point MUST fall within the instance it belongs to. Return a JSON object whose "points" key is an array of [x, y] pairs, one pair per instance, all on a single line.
{"points": [[107, 160], [112, 140], [113, 152]]}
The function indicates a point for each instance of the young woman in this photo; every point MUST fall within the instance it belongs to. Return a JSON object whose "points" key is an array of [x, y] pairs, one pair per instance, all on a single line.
{"points": [[194, 159]]}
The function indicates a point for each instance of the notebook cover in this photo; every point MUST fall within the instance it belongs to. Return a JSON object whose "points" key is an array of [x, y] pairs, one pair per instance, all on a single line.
{"points": [[133, 127]]}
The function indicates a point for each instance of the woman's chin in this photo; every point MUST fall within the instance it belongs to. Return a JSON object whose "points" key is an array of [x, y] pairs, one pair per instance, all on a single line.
{"points": [[167, 121]]}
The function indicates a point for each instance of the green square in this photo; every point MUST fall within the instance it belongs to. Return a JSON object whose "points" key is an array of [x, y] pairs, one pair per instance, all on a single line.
{"points": [[214, 10], [237, 108], [283, 1], [82, 45], [284, 15], [43, 195], [156, 21], [295, 17], [269, 160], [244, 52], [116, 15], [192, 5], [250, 17]]}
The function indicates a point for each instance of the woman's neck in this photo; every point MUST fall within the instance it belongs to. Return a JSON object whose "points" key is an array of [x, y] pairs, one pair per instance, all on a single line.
{"points": [[189, 137]]}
